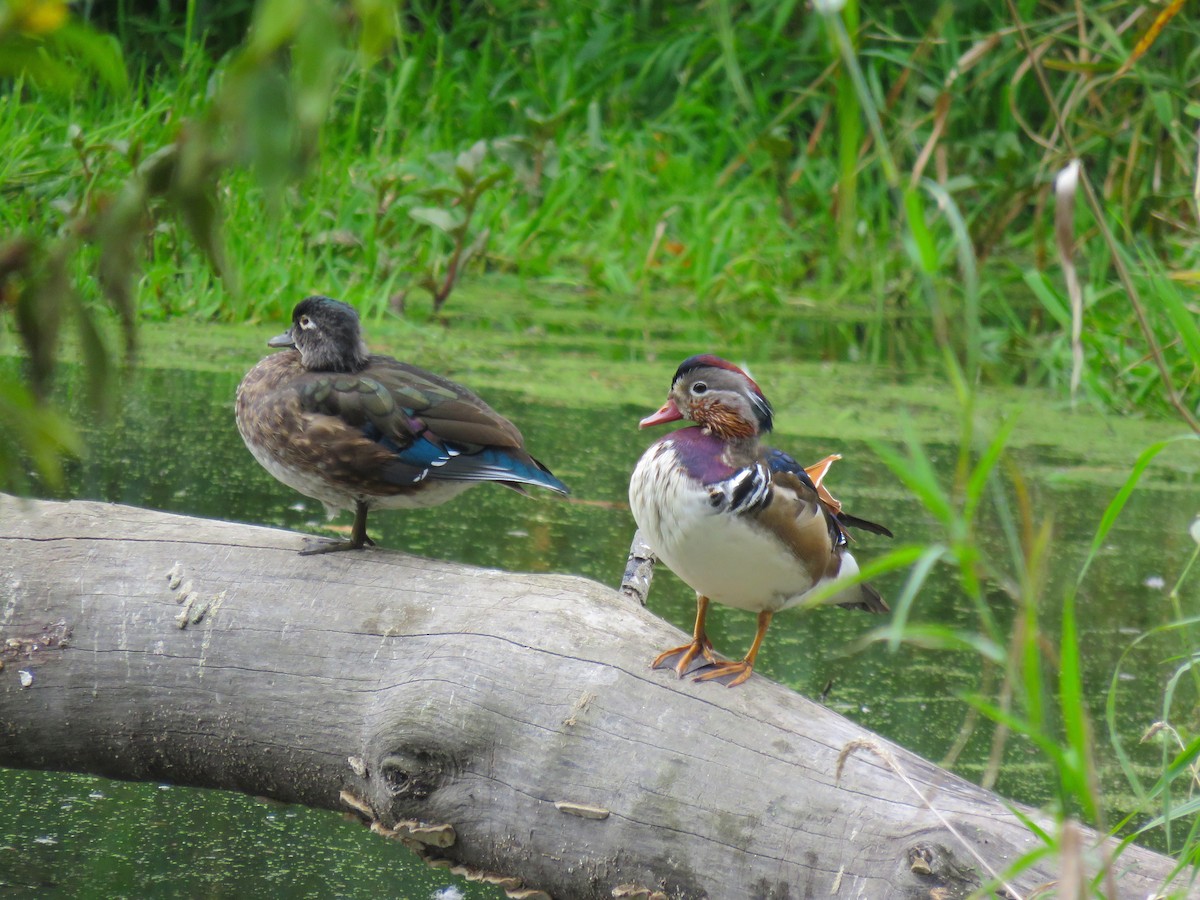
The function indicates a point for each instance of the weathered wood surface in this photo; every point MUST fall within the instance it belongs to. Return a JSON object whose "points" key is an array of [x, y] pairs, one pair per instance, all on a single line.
{"points": [[514, 717]]}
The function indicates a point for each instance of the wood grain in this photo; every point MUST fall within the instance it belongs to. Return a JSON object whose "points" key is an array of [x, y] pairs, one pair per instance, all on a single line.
{"points": [[507, 724]]}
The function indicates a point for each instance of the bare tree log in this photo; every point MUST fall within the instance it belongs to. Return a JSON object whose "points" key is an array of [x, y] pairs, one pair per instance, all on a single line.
{"points": [[504, 723]]}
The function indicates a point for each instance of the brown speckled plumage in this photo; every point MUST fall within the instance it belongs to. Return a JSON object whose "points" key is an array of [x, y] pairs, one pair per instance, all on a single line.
{"points": [[359, 431]]}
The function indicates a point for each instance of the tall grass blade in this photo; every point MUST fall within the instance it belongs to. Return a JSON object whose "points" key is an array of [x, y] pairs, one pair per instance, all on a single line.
{"points": [[981, 473], [1055, 752], [1182, 316], [1146, 41], [923, 242], [1080, 776], [1118, 502], [1065, 186], [729, 58], [916, 473], [964, 248], [940, 637], [1180, 766], [1110, 706], [904, 601]]}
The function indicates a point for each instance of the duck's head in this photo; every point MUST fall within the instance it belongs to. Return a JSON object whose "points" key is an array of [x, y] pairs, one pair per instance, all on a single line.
{"points": [[716, 394], [327, 334]]}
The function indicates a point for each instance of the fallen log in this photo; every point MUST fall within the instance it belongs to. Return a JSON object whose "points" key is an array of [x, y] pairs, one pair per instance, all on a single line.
{"points": [[505, 724]]}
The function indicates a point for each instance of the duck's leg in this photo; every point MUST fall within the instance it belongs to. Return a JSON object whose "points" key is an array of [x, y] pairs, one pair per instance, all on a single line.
{"points": [[700, 643], [740, 670], [358, 535]]}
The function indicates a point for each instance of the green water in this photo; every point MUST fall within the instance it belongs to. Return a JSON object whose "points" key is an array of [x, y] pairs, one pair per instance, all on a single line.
{"points": [[172, 445]]}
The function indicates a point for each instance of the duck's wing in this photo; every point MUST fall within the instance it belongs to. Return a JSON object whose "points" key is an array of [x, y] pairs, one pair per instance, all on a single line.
{"points": [[448, 410], [813, 476], [405, 425], [814, 533], [798, 514]]}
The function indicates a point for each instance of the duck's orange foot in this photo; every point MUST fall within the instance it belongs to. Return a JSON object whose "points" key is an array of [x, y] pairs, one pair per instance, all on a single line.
{"points": [[687, 655], [736, 672]]}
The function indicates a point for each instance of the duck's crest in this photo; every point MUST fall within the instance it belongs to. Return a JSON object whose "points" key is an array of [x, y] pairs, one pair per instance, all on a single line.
{"points": [[762, 406], [703, 360]]}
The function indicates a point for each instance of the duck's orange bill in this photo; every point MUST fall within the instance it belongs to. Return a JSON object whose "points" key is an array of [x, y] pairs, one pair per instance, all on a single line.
{"points": [[669, 413]]}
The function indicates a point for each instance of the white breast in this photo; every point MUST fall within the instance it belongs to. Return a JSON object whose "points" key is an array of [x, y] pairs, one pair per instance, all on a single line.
{"points": [[726, 557]]}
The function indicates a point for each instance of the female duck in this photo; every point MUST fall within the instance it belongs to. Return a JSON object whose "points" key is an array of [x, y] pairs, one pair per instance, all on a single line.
{"points": [[741, 524], [360, 431]]}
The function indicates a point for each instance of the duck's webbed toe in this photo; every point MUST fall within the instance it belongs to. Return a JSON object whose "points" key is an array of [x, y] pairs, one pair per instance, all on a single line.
{"points": [[726, 672], [687, 655]]}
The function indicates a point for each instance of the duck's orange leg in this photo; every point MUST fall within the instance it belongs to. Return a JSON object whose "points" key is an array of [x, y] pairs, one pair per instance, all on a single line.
{"points": [[742, 669], [700, 644]]}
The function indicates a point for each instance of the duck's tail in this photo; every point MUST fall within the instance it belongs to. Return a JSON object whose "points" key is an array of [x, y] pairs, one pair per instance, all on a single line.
{"points": [[868, 599]]}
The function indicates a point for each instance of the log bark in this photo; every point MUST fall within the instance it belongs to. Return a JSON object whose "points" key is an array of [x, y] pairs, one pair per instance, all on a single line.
{"points": [[506, 724]]}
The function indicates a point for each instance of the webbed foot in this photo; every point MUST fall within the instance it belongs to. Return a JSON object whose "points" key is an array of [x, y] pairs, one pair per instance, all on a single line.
{"points": [[689, 652], [336, 546], [736, 672]]}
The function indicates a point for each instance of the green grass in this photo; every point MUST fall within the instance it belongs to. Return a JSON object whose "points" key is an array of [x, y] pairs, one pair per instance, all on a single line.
{"points": [[711, 159], [800, 192]]}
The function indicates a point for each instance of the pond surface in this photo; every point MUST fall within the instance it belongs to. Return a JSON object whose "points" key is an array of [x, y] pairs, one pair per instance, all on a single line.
{"points": [[172, 445]]}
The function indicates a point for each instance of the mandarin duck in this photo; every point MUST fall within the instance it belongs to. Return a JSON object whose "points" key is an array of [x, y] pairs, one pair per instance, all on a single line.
{"points": [[360, 431], [740, 523]]}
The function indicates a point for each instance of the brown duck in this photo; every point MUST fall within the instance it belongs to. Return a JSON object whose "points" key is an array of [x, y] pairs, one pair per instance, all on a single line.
{"points": [[361, 431]]}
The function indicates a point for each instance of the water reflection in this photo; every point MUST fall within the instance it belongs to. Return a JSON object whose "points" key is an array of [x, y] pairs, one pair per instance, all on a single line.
{"points": [[79, 836], [172, 445]]}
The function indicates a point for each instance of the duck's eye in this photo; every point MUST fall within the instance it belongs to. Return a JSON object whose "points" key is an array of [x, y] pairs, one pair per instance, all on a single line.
{"points": [[305, 322], [699, 387]]}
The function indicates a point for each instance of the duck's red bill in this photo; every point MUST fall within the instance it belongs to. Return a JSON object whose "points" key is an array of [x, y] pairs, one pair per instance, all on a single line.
{"points": [[669, 413]]}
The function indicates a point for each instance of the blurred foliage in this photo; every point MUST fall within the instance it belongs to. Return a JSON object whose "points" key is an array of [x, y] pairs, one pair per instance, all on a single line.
{"points": [[451, 207], [266, 114], [42, 45]]}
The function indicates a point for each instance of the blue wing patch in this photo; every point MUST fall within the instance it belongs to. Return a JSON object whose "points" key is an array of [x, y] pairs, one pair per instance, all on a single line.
{"points": [[500, 464], [778, 461], [417, 460], [429, 457]]}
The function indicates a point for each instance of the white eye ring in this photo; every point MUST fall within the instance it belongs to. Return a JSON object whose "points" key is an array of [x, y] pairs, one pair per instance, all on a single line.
{"points": [[699, 387], [305, 322]]}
